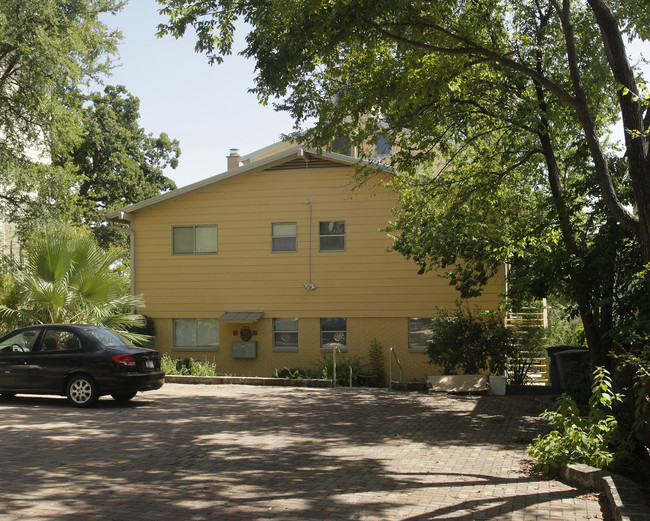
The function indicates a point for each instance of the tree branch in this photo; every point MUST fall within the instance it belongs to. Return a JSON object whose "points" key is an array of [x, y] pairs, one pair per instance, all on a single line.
{"points": [[620, 212], [474, 49]]}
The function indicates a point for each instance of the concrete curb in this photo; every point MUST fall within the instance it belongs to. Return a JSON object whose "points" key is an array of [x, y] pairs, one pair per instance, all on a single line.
{"points": [[247, 380], [625, 498]]}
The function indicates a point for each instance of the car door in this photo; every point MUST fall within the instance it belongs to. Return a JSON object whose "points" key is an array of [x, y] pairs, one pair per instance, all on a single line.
{"points": [[15, 351], [59, 353]]}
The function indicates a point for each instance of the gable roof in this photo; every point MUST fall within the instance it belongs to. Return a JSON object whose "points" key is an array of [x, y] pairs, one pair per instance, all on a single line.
{"points": [[297, 157]]}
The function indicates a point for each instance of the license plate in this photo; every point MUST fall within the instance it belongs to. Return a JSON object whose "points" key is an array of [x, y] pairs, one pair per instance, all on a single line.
{"points": [[148, 364]]}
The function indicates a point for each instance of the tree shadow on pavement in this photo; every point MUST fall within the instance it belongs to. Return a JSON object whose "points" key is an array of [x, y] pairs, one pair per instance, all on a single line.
{"points": [[275, 454]]}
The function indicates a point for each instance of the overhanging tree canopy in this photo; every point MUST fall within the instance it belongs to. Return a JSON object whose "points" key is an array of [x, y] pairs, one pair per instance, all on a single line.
{"points": [[513, 99]]}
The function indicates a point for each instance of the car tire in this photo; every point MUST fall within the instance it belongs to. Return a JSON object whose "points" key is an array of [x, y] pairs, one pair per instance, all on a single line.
{"points": [[82, 391], [123, 397]]}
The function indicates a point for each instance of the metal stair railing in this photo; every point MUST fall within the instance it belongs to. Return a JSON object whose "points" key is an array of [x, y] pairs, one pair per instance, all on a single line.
{"points": [[390, 368], [334, 350]]}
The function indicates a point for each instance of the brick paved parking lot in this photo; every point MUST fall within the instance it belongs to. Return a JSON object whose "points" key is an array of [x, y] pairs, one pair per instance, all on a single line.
{"points": [[272, 453]]}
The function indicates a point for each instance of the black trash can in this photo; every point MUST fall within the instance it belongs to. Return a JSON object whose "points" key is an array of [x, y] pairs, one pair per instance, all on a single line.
{"points": [[556, 385], [574, 372]]}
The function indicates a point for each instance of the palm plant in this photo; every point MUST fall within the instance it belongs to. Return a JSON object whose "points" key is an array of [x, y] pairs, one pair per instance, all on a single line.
{"points": [[68, 278]]}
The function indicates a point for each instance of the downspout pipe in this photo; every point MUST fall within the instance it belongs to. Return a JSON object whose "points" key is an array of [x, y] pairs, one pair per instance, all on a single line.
{"points": [[125, 222]]}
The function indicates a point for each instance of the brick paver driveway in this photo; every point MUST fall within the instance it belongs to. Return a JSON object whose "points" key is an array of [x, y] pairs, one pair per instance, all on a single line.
{"points": [[270, 453]]}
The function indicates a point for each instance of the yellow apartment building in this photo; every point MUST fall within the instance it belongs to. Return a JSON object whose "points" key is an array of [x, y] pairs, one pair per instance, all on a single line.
{"points": [[279, 260]]}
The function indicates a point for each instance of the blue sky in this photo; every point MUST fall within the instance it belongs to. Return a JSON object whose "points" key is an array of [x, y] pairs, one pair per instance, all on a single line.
{"points": [[207, 108]]}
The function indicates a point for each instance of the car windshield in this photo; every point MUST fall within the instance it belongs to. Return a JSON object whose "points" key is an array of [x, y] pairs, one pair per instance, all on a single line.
{"points": [[108, 338]]}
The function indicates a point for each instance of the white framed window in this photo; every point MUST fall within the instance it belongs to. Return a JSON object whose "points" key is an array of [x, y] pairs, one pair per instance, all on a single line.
{"points": [[332, 235], [194, 240], [284, 237], [196, 334], [420, 333], [333, 334], [285, 334]]}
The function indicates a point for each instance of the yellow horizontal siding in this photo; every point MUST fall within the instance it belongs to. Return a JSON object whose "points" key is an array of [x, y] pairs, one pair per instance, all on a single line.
{"points": [[362, 281]]}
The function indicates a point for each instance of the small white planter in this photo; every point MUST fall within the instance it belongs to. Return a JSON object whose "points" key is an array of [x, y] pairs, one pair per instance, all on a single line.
{"points": [[498, 385]]}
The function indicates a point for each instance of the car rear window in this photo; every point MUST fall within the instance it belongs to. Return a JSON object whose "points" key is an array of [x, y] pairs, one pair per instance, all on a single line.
{"points": [[108, 338]]}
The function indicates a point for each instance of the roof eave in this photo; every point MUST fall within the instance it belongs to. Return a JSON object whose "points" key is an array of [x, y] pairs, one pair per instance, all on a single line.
{"points": [[262, 164]]}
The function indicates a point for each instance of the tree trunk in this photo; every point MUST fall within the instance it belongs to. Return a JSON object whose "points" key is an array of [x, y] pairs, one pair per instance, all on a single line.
{"points": [[579, 280]]}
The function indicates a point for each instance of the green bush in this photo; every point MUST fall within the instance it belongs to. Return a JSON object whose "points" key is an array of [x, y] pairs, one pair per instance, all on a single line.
{"points": [[376, 357], [593, 439], [293, 374], [470, 344], [188, 366]]}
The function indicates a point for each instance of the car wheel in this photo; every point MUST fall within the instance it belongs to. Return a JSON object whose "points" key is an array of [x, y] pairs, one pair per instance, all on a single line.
{"points": [[82, 391], [123, 397]]}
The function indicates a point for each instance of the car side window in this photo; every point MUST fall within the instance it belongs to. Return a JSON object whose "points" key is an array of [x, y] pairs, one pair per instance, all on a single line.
{"points": [[22, 342], [57, 340]]}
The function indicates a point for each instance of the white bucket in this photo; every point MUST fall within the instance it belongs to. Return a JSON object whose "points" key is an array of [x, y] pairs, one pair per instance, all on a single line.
{"points": [[498, 385]]}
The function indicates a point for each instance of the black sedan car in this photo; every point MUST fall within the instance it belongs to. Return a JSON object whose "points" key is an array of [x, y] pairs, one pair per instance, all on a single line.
{"points": [[80, 362]]}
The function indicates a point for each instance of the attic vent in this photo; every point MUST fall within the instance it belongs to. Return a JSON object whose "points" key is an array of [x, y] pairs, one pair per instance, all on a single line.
{"points": [[301, 164]]}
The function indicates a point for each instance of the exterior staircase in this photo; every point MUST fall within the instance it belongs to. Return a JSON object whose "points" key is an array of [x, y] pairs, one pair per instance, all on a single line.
{"points": [[527, 319]]}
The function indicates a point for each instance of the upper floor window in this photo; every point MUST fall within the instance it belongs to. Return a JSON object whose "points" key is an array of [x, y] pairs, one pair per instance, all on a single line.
{"points": [[332, 235], [284, 237], [420, 333], [188, 240], [382, 148], [334, 333]]}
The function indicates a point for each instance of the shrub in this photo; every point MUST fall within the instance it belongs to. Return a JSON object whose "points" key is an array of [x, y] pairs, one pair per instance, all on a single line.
{"points": [[593, 439], [462, 341], [376, 357], [188, 366], [293, 374]]}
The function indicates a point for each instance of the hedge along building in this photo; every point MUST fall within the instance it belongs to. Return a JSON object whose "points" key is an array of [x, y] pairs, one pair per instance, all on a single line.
{"points": [[279, 260]]}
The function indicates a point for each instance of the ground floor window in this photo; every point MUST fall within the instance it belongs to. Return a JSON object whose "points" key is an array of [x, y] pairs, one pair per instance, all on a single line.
{"points": [[420, 333], [196, 333], [334, 333], [285, 334]]}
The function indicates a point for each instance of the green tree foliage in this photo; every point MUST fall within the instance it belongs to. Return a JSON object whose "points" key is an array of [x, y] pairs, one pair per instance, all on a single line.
{"points": [[111, 164], [68, 278], [510, 102], [116, 161], [47, 49]]}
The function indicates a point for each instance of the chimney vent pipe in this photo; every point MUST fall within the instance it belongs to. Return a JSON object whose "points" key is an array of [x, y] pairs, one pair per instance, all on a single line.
{"points": [[233, 159]]}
